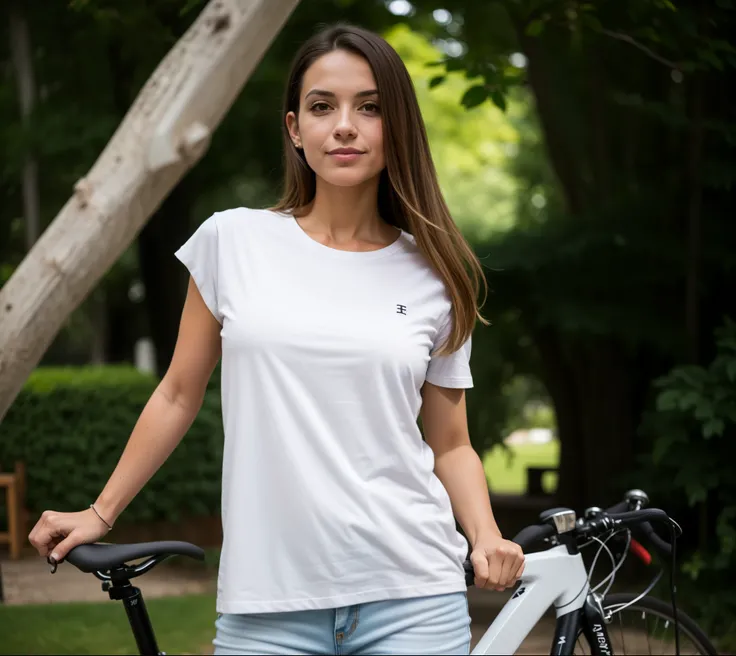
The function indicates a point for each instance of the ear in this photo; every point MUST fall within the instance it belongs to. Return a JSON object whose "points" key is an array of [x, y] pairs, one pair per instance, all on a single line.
{"points": [[292, 126]]}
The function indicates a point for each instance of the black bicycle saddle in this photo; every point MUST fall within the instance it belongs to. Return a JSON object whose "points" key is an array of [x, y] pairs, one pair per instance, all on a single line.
{"points": [[103, 557]]}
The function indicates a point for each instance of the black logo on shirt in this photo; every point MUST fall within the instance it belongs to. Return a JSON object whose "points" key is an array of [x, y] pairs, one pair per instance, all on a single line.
{"points": [[401, 309]]}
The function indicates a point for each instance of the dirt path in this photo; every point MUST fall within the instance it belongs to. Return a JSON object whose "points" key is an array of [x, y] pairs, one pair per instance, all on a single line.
{"points": [[29, 581]]}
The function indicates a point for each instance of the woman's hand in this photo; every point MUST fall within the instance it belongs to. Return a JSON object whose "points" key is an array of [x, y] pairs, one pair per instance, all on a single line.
{"points": [[497, 563], [56, 534]]}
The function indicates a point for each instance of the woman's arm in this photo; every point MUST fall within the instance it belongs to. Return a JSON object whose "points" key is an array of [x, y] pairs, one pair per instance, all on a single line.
{"points": [[165, 419], [498, 563]]}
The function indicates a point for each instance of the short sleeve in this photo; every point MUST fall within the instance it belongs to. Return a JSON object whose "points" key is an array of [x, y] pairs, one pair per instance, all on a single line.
{"points": [[200, 255], [451, 370]]}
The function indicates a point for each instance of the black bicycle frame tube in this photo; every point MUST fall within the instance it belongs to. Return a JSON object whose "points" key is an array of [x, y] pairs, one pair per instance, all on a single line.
{"points": [[566, 633], [590, 620], [594, 627]]}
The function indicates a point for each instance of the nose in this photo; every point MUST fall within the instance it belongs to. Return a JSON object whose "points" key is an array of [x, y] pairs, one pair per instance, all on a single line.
{"points": [[345, 127]]}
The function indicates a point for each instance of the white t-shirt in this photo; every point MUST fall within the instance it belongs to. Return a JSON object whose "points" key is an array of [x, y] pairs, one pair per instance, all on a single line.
{"points": [[329, 497]]}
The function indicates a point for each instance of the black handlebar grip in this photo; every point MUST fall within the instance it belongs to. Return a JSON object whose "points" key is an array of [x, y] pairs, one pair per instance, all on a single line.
{"points": [[621, 506], [469, 573], [664, 547], [641, 516], [530, 535], [639, 520]]}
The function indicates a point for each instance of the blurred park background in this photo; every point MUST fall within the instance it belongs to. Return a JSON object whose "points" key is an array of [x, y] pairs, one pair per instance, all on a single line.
{"points": [[585, 149]]}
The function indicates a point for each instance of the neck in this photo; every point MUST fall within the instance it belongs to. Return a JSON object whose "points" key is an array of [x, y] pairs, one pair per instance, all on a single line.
{"points": [[346, 213]]}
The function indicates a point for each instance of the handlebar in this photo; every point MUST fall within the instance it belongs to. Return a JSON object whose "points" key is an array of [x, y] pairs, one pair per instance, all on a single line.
{"points": [[644, 528], [636, 519], [633, 517], [648, 532], [531, 535], [620, 507], [604, 521]]}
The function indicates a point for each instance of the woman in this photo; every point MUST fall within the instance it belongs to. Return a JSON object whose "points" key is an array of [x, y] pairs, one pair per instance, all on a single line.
{"points": [[342, 316]]}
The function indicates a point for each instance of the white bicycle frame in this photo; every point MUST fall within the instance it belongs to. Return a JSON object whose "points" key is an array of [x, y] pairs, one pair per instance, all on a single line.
{"points": [[552, 577]]}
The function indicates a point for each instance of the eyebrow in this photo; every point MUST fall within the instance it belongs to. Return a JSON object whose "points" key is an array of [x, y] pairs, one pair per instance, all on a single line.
{"points": [[329, 94]]}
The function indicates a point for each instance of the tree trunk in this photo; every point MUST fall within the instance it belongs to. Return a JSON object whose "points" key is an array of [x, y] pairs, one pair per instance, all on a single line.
{"points": [[606, 416], [588, 376], [694, 227], [20, 47], [164, 279], [588, 380], [163, 135], [560, 384], [559, 147]]}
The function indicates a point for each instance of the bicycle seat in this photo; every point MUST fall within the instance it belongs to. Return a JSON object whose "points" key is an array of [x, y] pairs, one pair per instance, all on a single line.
{"points": [[102, 557]]}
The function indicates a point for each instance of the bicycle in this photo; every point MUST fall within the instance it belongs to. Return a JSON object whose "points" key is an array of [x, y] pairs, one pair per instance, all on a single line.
{"points": [[555, 577]]}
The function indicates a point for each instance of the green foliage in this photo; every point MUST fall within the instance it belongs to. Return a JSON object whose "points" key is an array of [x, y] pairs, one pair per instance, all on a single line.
{"points": [[713, 604], [695, 423], [539, 415], [594, 278], [70, 426], [669, 33], [469, 147], [694, 448]]}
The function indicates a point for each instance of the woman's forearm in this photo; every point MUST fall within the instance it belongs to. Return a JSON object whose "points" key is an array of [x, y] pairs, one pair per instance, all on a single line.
{"points": [[461, 472], [159, 429]]}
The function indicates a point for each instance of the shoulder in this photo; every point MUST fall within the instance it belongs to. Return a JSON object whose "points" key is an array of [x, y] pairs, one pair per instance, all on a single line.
{"points": [[240, 218], [240, 223]]}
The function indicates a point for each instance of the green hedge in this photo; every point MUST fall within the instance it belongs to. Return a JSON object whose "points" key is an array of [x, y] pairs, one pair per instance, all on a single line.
{"points": [[70, 426]]}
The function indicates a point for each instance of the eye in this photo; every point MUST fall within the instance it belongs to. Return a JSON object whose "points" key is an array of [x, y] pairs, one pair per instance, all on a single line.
{"points": [[319, 106], [371, 107]]}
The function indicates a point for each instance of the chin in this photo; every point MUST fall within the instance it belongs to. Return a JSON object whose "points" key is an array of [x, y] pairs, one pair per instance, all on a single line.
{"points": [[347, 177]]}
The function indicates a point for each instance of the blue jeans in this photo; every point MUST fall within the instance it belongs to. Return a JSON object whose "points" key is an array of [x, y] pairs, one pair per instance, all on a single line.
{"points": [[439, 624]]}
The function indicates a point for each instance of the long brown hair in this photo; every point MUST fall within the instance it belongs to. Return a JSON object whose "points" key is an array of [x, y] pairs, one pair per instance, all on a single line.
{"points": [[409, 195]]}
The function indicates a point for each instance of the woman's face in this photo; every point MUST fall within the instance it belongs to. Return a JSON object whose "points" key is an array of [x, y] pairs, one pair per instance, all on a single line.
{"points": [[339, 124]]}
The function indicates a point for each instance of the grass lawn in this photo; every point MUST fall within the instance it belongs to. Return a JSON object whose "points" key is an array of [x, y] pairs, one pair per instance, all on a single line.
{"points": [[506, 468], [183, 625]]}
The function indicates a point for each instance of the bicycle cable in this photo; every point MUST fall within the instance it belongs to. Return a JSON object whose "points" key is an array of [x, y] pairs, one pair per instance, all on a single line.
{"points": [[593, 564], [673, 532], [616, 565], [603, 546], [651, 587]]}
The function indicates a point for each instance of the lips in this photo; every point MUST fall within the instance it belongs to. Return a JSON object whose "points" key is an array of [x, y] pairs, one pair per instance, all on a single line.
{"points": [[345, 151]]}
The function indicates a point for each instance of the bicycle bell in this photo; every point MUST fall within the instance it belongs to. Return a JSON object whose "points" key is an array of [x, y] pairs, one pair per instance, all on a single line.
{"points": [[637, 499]]}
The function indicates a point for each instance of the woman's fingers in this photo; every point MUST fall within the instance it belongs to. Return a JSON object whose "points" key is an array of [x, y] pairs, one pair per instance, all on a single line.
{"points": [[480, 568], [56, 534], [498, 563], [47, 533]]}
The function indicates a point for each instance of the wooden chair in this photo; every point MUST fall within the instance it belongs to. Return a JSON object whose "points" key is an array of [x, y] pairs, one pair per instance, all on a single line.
{"points": [[14, 484]]}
